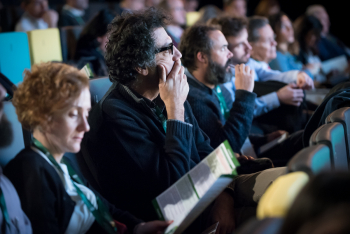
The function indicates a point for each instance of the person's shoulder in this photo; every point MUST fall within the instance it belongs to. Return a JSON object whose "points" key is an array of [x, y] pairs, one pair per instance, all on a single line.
{"points": [[28, 159]]}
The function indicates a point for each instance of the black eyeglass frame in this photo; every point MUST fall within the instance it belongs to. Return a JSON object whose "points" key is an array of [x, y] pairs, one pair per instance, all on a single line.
{"points": [[170, 47]]}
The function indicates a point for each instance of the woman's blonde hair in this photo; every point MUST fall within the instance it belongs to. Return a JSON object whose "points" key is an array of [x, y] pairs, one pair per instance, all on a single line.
{"points": [[48, 87]]}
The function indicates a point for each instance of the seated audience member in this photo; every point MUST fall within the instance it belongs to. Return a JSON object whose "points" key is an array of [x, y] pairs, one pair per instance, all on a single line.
{"points": [[144, 136], [37, 15], [308, 33], [236, 33], [267, 8], [285, 61], [91, 45], [72, 13], [235, 8], [190, 5], [207, 13], [54, 196], [319, 196], [175, 9], [12, 216], [151, 3], [132, 5], [328, 46], [207, 59]]}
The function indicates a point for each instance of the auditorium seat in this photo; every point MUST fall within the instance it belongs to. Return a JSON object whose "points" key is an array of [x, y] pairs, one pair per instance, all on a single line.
{"points": [[278, 198], [261, 226], [333, 136], [69, 37], [16, 142], [45, 45], [98, 88], [311, 160], [14, 55], [342, 116]]}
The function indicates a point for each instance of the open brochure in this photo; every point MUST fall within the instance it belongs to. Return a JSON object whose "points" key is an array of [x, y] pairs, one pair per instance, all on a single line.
{"points": [[87, 71], [339, 63], [192, 193], [273, 143]]}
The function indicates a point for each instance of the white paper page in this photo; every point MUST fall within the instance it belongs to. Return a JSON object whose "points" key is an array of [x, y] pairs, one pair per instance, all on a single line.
{"points": [[339, 63], [220, 184]]}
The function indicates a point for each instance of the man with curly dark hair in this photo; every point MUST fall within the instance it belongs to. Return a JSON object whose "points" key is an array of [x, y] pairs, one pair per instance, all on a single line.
{"points": [[143, 135]]}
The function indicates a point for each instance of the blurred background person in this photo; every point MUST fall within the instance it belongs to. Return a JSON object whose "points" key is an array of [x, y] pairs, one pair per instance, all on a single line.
{"points": [[285, 61], [235, 8], [91, 45], [307, 34], [72, 13], [175, 9], [267, 8], [37, 15], [190, 5], [151, 3], [328, 46], [133, 5], [207, 13]]}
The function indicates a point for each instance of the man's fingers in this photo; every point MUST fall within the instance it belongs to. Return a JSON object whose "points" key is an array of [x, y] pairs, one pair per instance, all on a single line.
{"points": [[176, 68], [162, 75]]}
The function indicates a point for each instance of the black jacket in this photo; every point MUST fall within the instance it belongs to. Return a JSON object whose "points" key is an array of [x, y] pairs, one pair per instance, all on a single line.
{"points": [[132, 158], [44, 198], [206, 109]]}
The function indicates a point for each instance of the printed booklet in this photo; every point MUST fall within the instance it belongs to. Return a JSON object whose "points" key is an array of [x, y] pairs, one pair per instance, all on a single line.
{"points": [[186, 199]]}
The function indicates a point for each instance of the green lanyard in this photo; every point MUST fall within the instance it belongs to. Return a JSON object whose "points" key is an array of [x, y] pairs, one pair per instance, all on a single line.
{"points": [[161, 117], [101, 214], [4, 209], [223, 107]]}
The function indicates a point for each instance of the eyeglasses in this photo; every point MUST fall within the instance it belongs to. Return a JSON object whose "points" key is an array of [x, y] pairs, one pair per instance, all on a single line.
{"points": [[170, 47]]}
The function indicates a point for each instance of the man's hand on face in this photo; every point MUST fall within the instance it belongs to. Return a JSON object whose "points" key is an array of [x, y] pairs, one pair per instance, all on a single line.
{"points": [[173, 89], [244, 78], [290, 95], [304, 81], [223, 212], [51, 18]]}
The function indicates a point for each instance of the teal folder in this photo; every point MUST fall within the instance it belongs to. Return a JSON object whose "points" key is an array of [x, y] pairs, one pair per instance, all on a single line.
{"points": [[14, 55]]}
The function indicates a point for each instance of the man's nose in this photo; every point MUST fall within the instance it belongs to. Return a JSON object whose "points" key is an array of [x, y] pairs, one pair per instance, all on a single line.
{"points": [[177, 54]]}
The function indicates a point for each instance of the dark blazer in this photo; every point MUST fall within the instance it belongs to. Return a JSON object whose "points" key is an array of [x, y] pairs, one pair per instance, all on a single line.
{"points": [[131, 156], [43, 196]]}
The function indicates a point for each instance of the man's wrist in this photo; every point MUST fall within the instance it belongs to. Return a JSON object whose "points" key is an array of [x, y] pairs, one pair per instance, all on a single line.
{"points": [[177, 113]]}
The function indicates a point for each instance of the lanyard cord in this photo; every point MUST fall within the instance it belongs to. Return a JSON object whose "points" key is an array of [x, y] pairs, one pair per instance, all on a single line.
{"points": [[223, 107], [161, 117], [101, 214], [4, 209]]}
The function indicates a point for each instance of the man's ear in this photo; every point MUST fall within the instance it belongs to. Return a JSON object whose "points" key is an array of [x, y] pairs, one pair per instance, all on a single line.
{"points": [[142, 71], [202, 58]]}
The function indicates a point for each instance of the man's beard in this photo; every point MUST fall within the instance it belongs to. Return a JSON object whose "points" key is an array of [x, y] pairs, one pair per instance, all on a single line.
{"points": [[6, 134], [217, 74]]}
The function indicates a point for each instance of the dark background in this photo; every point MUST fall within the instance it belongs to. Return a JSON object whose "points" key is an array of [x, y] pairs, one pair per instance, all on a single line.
{"points": [[339, 12]]}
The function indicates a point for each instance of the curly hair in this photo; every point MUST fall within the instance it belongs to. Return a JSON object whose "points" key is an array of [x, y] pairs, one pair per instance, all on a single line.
{"points": [[47, 88], [132, 44], [195, 39], [230, 26]]}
